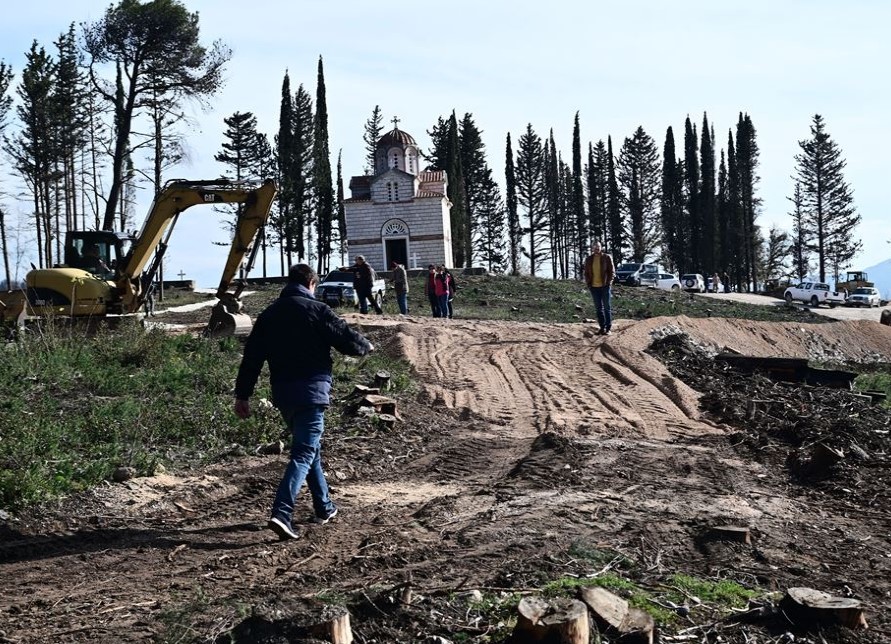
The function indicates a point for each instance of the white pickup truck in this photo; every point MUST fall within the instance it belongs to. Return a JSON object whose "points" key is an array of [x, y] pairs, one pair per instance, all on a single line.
{"points": [[337, 289], [814, 293]]}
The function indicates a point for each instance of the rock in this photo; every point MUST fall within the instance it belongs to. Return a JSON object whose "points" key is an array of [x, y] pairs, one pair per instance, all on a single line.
{"points": [[436, 639], [475, 596], [122, 474], [159, 469], [275, 447]]}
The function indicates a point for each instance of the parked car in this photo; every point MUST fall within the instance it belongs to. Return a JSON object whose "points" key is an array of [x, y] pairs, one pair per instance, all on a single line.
{"points": [[814, 293], [636, 274], [865, 296], [693, 282], [668, 282], [337, 289]]}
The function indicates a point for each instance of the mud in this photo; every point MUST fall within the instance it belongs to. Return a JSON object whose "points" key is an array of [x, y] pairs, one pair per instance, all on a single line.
{"points": [[525, 444]]}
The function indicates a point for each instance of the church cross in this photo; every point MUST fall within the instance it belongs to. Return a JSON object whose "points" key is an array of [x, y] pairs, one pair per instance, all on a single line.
{"points": [[395, 122], [181, 275]]}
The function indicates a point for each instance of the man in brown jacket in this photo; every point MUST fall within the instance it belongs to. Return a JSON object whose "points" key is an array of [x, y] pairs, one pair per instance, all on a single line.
{"points": [[599, 274]]}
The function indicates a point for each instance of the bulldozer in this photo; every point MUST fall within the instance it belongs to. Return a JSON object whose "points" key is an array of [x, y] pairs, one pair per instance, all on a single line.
{"points": [[854, 280], [107, 273]]}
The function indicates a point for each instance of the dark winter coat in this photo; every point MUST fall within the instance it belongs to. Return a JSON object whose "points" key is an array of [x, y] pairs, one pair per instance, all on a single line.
{"points": [[363, 277], [295, 335]]}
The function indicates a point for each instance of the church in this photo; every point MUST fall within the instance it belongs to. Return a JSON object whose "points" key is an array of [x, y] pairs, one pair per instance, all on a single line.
{"points": [[400, 213]]}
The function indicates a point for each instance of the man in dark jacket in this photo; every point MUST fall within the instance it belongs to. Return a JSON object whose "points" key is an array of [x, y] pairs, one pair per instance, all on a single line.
{"points": [[295, 335], [599, 275], [363, 282]]}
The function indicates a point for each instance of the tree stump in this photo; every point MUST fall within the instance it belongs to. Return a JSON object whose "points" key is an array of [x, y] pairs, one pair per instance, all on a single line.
{"points": [[560, 621], [362, 390], [295, 621], [388, 421], [808, 607], [823, 457], [886, 317], [739, 534], [382, 380], [613, 615]]}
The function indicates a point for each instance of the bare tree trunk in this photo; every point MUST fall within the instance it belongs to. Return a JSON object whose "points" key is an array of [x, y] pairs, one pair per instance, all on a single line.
{"points": [[5, 249]]}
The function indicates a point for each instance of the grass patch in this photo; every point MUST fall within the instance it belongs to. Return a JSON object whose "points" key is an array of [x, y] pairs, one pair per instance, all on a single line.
{"points": [[721, 594], [878, 380], [77, 405]]}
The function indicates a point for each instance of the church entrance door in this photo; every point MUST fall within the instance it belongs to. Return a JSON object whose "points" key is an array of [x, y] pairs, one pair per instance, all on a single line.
{"points": [[397, 251]]}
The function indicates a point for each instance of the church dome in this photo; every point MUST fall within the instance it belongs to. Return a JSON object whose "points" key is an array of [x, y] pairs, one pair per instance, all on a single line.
{"points": [[396, 137]]}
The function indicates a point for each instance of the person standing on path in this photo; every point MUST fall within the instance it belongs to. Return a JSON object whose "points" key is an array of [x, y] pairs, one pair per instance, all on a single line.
{"points": [[453, 288], [294, 335], [430, 290], [599, 275], [363, 283], [400, 285], [443, 290]]}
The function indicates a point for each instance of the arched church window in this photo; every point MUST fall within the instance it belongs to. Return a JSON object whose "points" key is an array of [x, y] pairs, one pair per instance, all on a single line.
{"points": [[394, 227], [395, 191], [389, 191], [395, 161]]}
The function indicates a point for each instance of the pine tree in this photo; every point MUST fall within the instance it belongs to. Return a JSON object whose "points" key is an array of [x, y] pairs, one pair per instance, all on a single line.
{"points": [[578, 198], [156, 45], [6, 76], [707, 214], [33, 149], [322, 185], [639, 176], [514, 231], [530, 168], [373, 128], [801, 239], [596, 185], [439, 136], [617, 230], [673, 229], [489, 242], [69, 97], [827, 201], [240, 155], [775, 254]]}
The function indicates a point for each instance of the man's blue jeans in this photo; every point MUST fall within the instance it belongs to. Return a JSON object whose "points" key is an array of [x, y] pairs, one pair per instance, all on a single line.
{"points": [[402, 301], [601, 297], [307, 425]]}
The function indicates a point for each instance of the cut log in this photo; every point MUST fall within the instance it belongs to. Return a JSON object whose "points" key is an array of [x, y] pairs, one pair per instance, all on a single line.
{"points": [[560, 621], [381, 404], [808, 607], [362, 390], [382, 380], [387, 420], [739, 534], [616, 618]]}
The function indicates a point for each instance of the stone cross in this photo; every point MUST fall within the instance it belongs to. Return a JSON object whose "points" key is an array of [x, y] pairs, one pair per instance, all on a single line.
{"points": [[181, 275], [414, 260]]}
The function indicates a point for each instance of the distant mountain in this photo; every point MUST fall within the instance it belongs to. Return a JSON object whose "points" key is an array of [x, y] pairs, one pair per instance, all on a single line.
{"points": [[880, 274]]}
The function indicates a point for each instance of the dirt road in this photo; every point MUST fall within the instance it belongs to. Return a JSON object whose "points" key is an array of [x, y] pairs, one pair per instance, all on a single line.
{"points": [[837, 313], [523, 442]]}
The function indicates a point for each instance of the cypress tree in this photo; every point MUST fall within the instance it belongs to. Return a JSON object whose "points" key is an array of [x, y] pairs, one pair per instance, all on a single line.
{"points": [[707, 200], [552, 202], [341, 212], [514, 232], [691, 186], [722, 218], [735, 232], [457, 195], [747, 167], [323, 188], [617, 229], [672, 206], [476, 172], [285, 148], [827, 200], [439, 136], [303, 176], [489, 242]]}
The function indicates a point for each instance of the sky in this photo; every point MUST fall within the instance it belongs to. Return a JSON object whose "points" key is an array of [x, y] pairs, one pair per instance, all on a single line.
{"points": [[645, 63]]}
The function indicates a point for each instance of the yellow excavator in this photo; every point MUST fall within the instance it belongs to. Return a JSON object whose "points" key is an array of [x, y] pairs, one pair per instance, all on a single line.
{"points": [[110, 273]]}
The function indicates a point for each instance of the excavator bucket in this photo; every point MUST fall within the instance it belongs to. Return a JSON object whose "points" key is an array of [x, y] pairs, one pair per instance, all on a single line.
{"points": [[224, 322]]}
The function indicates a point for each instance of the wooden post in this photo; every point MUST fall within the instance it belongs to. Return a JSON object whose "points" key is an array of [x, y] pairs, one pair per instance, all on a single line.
{"points": [[613, 615], [739, 534], [560, 621]]}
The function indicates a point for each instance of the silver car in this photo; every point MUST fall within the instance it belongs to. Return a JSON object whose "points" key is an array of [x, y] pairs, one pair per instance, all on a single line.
{"points": [[865, 296]]}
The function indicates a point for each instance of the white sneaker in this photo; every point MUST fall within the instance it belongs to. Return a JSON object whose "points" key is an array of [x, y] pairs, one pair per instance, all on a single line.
{"points": [[282, 529], [323, 520]]}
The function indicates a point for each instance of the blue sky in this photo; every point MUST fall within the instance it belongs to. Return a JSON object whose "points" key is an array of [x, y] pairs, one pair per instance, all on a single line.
{"points": [[639, 62]]}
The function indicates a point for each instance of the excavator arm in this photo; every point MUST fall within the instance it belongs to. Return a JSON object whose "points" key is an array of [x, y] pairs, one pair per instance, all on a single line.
{"points": [[176, 197]]}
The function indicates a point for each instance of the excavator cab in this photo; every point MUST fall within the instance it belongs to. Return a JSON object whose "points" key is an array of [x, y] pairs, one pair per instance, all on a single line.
{"points": [[97, 252]]}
